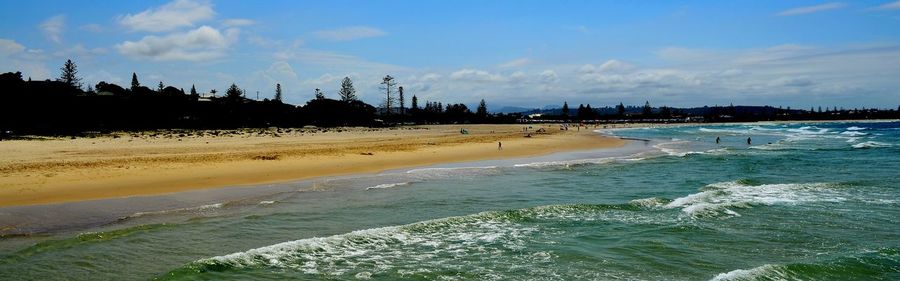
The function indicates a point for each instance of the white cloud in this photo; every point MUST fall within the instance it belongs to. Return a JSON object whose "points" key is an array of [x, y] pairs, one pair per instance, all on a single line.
{"points": [[588, 68], [517, 77], [811, 9], [53, 28], [475, 75], [324, 79], [890, 6], [349, 33], [168, 17], [199, 44], [9, 47], [16, 57], [238, 22], [281, 71], [549, 76], [783, 74], [615, 66], [516, 63], [430, 77]]}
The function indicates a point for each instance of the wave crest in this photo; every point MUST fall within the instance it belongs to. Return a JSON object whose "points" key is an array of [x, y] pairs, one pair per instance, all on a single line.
{"points": [[433, 244], [723, 198]]}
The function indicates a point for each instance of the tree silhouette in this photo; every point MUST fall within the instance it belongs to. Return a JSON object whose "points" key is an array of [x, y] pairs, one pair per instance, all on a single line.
{"points": [[665, 111], [414, 104], [565, 109], [134, 82], [319, 94], [347, 92], [161, 87], [388, 85], [620, 109], [233, 92], [402, 101], [278, 92], [647, 109], [481, 112], [194, 91], [69, 75]]}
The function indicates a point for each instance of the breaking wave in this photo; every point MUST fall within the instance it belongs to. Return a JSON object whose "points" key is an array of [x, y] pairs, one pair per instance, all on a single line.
{"points": [[871, 144], [724, 198], [424, 248], [388, 185], [883, 264]]}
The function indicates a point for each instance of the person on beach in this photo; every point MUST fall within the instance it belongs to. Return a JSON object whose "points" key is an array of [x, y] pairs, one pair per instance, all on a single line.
{"points": [[499, 145], [718, 140]]}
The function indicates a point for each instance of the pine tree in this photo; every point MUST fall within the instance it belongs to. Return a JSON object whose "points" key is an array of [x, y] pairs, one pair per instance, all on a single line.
{"points": [[565, 109], [69, 75], [134, 82], [194, 91], [347, 92], [414, 104], [481, 112], [278, 92], [620, 109], [161, 87], [647, 109], [234, 92], [388, 86]]}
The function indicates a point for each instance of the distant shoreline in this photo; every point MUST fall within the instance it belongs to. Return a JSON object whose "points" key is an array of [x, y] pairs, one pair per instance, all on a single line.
{"points": [[66, 170]]}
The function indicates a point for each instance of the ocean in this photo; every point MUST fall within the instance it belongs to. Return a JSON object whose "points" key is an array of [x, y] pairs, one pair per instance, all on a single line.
{"points": [[802, 201]]}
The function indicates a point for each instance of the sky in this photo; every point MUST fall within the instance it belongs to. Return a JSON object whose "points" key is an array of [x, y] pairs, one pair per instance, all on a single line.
{"points": [[510, 53]]}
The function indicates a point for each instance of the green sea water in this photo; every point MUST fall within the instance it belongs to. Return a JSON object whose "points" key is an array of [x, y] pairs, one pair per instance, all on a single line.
{"points": [[814, 201]]}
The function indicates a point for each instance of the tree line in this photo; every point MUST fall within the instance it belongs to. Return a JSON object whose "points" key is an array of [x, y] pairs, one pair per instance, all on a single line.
{"points": [[64, 106], [716, 113]]}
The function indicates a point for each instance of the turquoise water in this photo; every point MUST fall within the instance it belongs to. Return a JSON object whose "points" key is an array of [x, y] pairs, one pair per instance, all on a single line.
{"points": [[814, 201]]}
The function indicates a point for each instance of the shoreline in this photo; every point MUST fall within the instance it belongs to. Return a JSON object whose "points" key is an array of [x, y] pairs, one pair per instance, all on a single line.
{"points": [[59, 171]]}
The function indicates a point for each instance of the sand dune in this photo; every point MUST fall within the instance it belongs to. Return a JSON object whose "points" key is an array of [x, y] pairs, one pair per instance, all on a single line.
{"points": [[129, 164]]}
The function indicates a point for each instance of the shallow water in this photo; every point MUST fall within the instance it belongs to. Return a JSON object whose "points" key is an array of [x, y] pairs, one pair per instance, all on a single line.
{"points": [[813, 201]]}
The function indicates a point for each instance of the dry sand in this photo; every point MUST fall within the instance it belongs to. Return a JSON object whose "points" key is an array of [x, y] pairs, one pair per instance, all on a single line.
{"points": [[129, 164]]}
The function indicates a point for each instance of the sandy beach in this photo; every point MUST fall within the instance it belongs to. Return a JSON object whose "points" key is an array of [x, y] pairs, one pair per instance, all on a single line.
{"points": [[54, 170]]}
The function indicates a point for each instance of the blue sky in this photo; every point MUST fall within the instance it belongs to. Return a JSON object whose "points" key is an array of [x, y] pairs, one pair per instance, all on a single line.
{"points": [[518, 53]]}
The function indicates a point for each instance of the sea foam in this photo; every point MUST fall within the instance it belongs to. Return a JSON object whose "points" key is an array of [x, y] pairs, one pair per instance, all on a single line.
{"points": [[871, 144], [722, 198], [770, 272], [387, 185]]}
